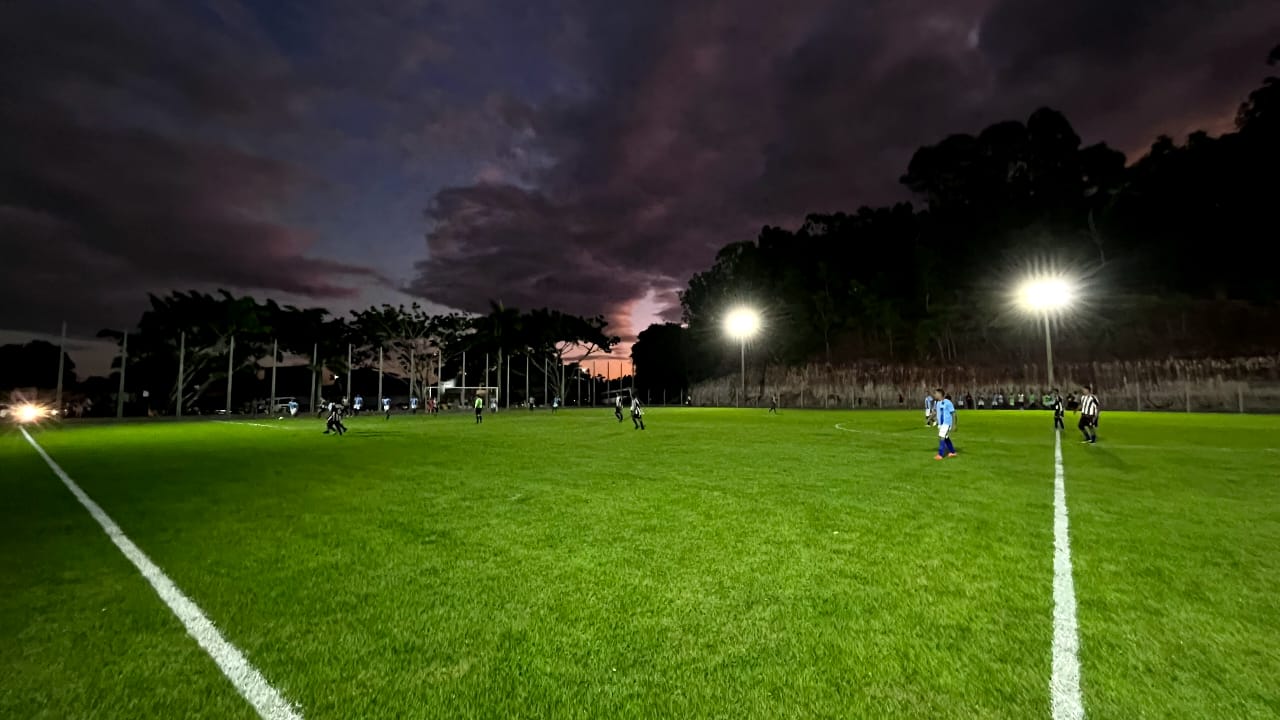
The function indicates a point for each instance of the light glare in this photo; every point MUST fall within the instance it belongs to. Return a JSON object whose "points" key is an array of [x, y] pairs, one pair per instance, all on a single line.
{"points": [[1045, 295], [29, 413], [742, 323]]}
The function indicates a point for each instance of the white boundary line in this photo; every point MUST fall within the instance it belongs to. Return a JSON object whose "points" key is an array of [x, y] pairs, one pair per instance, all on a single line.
{"points": [[269, 703], [1066, 702], [252, 424], [1064, 684]]}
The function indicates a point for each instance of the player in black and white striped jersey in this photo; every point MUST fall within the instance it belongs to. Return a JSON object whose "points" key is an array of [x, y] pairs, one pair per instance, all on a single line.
{"points": [[1089, 412]]}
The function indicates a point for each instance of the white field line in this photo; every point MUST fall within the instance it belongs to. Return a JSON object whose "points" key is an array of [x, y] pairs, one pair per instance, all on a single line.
{"points": [[1161, 448], [253, 424], [1066, 702], [1064, 683], [269, 703]]}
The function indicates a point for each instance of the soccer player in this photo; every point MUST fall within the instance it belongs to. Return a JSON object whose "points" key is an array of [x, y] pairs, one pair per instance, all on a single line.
{"points": [[386, 407], [555, 405], [945, 412], [293, 408], [334, 423], [359, 403], [1089, 415], [929, 410], [773, 404], [617, 407], [637, 413], [413, 405], [479, 410], [1059, 408]]}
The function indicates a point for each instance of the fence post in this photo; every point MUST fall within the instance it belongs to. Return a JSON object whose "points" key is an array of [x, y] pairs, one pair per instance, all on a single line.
{"points": [[182, 357], [124, 360], [62, 344], [315, 355], [463, 403], [274, 355], [231, 356]]}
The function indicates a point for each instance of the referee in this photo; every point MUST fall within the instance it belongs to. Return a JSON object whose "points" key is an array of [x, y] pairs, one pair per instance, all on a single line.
{"points": [[1089, 415]]}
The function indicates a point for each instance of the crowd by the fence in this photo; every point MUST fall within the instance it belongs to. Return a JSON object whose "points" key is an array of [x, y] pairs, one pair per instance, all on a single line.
{"points": [[1249, 384]]}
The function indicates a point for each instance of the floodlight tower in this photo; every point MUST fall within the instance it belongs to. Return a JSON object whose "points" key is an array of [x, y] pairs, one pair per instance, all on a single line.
{"points": [[742, 324], [1046, 296]]}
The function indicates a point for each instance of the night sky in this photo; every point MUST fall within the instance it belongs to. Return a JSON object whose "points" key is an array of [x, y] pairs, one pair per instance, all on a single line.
{"points": [[577, 154]]}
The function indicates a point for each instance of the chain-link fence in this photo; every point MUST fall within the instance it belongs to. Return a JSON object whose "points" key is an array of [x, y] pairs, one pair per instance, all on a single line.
{"points": [[1211, 385], [92, 376]]}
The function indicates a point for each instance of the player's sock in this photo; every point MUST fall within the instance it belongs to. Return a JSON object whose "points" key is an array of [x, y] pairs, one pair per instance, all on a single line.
{"points": [[951, 449], [942, 448]]}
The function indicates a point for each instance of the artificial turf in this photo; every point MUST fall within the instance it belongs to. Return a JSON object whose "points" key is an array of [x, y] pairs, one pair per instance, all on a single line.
{"points": [[720, 564]]}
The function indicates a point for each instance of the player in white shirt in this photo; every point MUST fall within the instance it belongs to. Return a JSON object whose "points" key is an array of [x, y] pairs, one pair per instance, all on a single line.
{"points": [[637, 413]]}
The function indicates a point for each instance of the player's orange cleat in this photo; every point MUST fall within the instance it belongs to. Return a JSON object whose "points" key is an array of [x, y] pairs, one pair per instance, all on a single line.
{"points": [[937, 457], [951, 454]]}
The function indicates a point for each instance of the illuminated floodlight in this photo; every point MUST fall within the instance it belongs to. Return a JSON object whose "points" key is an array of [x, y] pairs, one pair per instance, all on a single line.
{"points": [[1046, 295], [29, 413], [742, 323]]}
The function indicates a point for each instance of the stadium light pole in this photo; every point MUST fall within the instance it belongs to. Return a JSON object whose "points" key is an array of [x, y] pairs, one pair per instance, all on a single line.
{"points": [[742, 324], [1046, 296]]}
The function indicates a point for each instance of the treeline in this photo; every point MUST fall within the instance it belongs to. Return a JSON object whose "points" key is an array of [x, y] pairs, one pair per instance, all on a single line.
{"points": [[186, 344], [1172, 254]]}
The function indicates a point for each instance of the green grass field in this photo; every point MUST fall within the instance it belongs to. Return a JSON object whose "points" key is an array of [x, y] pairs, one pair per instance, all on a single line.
{"points": [[720, 564]]}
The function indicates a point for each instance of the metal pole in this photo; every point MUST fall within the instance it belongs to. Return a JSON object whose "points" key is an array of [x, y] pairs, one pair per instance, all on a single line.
{"points": [[526, 379], [124, 359], [439, 375], [579, 374], [544, 379], [350, 393], [182, 358], [275, 347], [379, 377], [62, 344], [744, 372], [413, 372], [486, 372], [231, 356], [508, 382], [464, 377], [1048, 351], [315, 359]]}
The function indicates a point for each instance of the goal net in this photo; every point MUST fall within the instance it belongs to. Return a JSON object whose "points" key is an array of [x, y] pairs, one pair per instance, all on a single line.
{"points": [[464, 398]]}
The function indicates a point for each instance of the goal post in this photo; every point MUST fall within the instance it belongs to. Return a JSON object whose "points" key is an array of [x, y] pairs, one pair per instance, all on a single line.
{"points": [[463, 397]]}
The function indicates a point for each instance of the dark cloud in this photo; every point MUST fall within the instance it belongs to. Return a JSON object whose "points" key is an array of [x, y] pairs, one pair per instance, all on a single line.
{"points": [[704, 120], [113, 183], [582, 155]]}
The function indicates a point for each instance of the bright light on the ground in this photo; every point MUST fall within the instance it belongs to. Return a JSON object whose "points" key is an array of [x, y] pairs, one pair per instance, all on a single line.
{"points": [[29, 413], [742, 323], [1045, 294]]}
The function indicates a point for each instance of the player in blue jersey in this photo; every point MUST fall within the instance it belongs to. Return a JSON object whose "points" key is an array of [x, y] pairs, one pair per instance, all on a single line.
{"points": [[930, 417], [945, 415]]}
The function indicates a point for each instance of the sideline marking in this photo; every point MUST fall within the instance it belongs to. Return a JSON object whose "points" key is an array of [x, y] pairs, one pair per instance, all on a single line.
{"points": [[1066, 702], [1064, 684], [269, 703], [252, 424]]}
